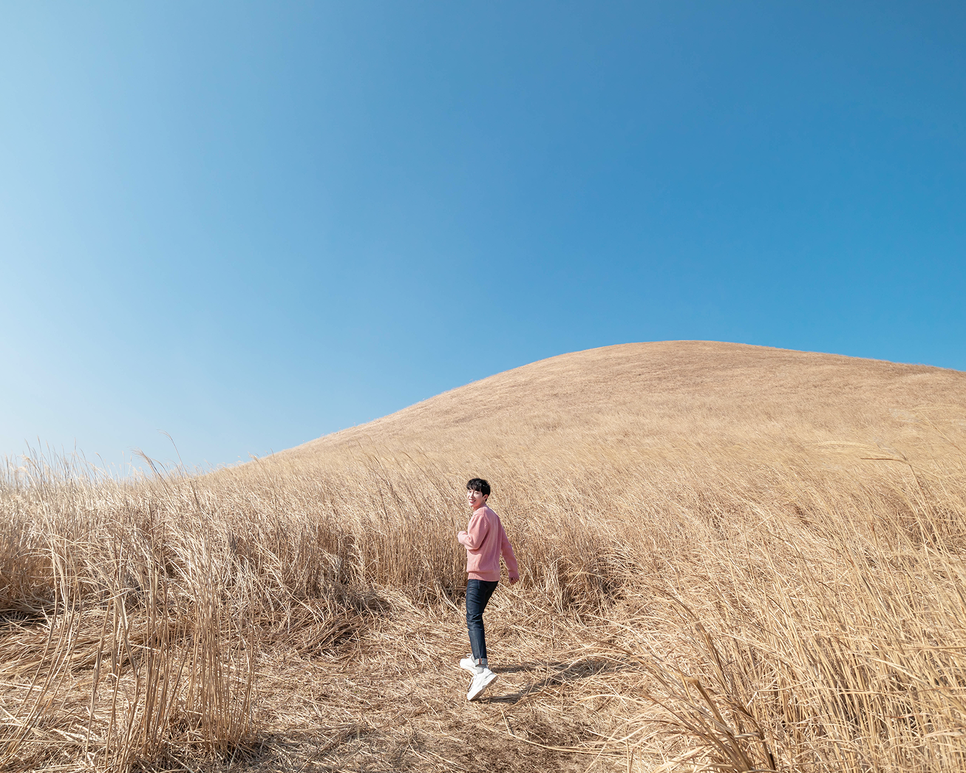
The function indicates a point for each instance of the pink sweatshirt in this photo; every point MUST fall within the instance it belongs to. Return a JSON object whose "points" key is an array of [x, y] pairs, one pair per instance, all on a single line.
{"points": [[485, 540]]}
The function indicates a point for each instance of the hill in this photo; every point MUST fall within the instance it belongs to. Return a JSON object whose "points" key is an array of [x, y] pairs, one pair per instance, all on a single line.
{"points": [[733, 558], [650, 395]]}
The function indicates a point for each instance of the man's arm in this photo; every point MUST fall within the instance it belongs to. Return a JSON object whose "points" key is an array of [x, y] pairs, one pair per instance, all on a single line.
{"points": [[511, 560], [472, 538]]}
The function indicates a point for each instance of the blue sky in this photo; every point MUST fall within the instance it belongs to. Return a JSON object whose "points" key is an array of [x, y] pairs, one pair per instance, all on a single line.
{"points": [[247, 225]]}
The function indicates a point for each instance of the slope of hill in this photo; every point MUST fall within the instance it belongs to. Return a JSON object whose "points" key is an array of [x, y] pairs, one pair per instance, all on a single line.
{"points": [[733, 559], [747, 521], [657, 394]]}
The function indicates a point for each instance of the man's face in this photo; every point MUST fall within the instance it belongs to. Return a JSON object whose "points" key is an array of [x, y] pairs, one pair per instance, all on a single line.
{"points": [[475, 499]]}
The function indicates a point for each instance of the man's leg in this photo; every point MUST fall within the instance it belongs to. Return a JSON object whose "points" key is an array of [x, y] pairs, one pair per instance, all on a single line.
{"points": [[478, 593]]}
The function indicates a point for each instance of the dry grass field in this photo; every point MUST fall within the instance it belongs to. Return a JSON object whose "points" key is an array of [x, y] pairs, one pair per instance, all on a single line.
{"points": [[733, 559]]}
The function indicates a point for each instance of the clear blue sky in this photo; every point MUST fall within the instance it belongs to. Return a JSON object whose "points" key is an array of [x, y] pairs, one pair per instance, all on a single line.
{"points": [[248, 225]]}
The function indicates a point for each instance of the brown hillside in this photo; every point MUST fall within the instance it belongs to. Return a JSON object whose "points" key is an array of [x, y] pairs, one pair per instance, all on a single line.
{"points": [[733, 559], [656, 395]]}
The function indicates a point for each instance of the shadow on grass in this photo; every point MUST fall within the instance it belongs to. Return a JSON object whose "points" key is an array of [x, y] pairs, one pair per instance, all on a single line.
{"points": [[552, 674]]}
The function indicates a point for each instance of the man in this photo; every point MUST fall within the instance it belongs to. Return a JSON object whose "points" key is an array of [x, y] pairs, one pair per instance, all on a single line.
{"points": [[485, 542]]}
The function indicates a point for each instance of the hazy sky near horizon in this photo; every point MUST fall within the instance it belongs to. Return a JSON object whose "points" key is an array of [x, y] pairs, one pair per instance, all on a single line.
{"points": [[247, 225]]}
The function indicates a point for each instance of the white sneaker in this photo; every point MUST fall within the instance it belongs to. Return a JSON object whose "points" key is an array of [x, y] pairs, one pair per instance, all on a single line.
{"points": [[470, 665], [480, 682]]}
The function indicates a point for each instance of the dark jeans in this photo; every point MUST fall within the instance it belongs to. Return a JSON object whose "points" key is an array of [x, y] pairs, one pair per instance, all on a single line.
{"points": [[478, 593]]}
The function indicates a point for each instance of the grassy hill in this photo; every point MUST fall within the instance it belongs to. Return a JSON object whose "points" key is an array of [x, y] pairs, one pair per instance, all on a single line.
{"points": [[734, 558], [658, 398]]}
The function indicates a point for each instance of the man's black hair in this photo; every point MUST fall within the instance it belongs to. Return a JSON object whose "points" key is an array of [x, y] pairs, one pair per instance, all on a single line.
{"points": [[478, 484]]}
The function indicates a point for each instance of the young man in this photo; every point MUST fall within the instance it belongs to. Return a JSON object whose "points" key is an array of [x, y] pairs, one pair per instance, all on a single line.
{"points": [[485, 541]]}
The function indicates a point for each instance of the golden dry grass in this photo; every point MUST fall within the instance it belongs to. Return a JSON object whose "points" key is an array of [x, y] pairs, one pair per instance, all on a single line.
{"points": [[734, 558]]}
